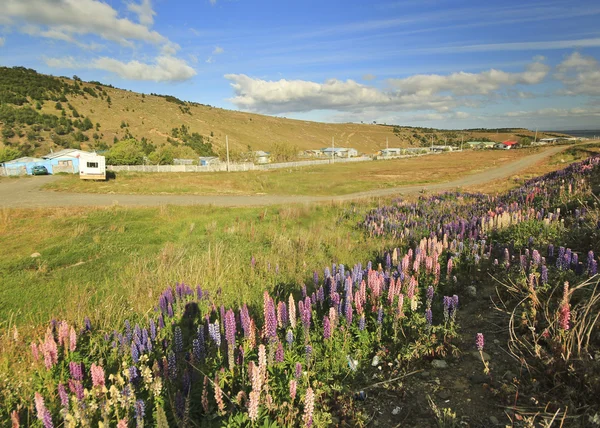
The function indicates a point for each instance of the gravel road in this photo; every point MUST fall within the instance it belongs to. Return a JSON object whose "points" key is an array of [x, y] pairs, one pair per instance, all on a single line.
{"points": [[26, 192]]}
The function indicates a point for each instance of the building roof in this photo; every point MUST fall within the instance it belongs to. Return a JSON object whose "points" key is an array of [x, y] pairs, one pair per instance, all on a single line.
{"points": [[509, 143], [335, 149], [262, 153], [70, 153], [25, 159]]}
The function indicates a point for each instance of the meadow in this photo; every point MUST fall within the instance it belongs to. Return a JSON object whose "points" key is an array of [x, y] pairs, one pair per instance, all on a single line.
{"points": [[324, 180], [316, 315]]}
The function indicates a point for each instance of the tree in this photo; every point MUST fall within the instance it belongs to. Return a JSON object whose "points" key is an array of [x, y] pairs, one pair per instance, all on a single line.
{"points": [[8, 154], [125, 152], [58, 106], [162, 156], [525, 141]]}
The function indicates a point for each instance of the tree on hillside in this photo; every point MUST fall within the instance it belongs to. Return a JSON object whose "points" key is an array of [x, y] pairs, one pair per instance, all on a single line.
{"points": [[162, 156], [8, 154], [525, 141], [125, 152], [282, 152]]}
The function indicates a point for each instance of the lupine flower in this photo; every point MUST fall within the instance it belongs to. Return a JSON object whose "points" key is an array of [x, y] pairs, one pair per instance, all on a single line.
{"points": [[76, 388], [219, 396], [215, 333], [479, 342], [348, 313], [245, 320], [309, 406], [308, 351], [289, 337], [292, 311], [122, 423], [253, 405], [326, 328], [428, 317], [361, 322], [76, 370], [298, 371], [544, 275], [178, 336], [64, 396], [50, 350], [133, 374], [293, 387], [230, 328], [172, 366], [270, 317], [140, 410], [282, 315], [565, 310], [279, 355], [204, 399], [34, 351], [97, 375], [449, 268], [135, 353]]}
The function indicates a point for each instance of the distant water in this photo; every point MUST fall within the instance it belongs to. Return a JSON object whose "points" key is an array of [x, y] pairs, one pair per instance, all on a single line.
{"points": [[586, 133]]}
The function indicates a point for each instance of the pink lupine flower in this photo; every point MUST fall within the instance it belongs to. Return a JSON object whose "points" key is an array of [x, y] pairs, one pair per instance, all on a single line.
{"points": [[122, 423], [63, 333], [35, 351], [309, 407], [50, 350], [253, 405], [450, 265], [564, 316], [72, 340], [97, 375], [40, 407], [205, 395], [400, 312], [479, 341], [293, 387], [219, 396]]}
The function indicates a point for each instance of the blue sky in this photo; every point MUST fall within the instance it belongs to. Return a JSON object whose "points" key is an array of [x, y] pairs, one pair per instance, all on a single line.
{"points": [[450, 64]]}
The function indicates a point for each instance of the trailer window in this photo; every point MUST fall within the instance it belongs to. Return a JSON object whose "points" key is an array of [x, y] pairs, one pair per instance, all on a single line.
{"points": [[92, 164]]}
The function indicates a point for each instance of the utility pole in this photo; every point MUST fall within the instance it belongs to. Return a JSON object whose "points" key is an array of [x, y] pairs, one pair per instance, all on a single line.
{"points": [[387, 146], [227, 148], [332, 149], [431, 142], [535, 138], [462, 137]]}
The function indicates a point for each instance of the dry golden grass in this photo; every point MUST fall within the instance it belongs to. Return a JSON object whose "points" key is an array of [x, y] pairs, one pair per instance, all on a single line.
{"points": [[336, 179]]}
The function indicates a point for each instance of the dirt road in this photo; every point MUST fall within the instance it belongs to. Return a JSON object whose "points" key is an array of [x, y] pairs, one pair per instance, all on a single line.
{"points": [[27, 193]]}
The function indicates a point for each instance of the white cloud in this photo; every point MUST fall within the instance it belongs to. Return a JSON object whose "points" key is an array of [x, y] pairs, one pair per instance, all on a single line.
{"points": [[420, 92], [144, 12], [519, 46], [463, 83], [84, 17], [577, 112], [218, 50], [1, 41], [209, 60], [286, 96], [57, 34], [165, 68], [580, 75], [369, 76], [213, 2]]}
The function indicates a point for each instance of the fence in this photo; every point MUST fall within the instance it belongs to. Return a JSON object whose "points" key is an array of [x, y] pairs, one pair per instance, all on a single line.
{"points": [[235, 167]]}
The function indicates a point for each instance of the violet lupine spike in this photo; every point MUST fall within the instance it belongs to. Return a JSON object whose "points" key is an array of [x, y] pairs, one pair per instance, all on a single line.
{"points": [[178, 337], [544, 275], [135, 353], [348, 313], [282, 315], [172, 366], [315, 278], [279, 354], [152, 330], [289, 337], [361, 322], [215, 333], [64, 396], [380, 315], [298, 371], [306, 313], [245, 320], [429, 317], [326, 328], [76, 370], [230, 328]]}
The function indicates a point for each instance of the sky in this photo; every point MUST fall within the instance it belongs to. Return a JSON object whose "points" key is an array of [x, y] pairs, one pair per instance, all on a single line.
{"points": [[446, 64]]}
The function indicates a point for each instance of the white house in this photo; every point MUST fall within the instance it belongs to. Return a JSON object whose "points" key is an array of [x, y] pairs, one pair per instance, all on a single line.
{"points": [[92, 166], [390, 152], [262, 157], [339, 152]]}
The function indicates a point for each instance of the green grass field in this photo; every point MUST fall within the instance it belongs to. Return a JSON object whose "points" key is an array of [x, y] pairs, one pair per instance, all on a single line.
{"points": [[337, 179]]}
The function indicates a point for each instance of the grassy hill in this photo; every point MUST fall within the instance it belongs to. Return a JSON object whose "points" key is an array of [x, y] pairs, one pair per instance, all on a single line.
{"points": [[40, 112]]}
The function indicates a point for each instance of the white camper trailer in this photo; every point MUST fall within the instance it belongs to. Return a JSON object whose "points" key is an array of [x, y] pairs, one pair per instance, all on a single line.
{"points": [[92, 167]]}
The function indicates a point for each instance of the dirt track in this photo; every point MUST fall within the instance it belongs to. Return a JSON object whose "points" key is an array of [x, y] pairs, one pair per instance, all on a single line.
{"points": [[27, 193]]}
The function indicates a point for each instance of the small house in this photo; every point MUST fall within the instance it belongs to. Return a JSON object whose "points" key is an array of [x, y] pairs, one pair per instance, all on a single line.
{"points": [[92, 167], [183, 161], [481, 144], [438, 149], [208, 160], [261, 157], [339, 152], [506, 145], [391, 152]]}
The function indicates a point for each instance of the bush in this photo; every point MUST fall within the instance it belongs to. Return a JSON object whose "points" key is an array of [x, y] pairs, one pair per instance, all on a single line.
{"points": [[125, 152]]}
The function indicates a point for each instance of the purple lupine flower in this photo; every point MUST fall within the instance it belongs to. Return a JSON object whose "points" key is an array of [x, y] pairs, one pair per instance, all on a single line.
{"points": [[574, 259], [535, 256], [430, 293], [316, 278], [133, 374], [560, 258], [298, 371], [447, 307], [64, 396], [88, 324], [161, 321], [197, 350], [230, 328], [140, 410], [199, 292], [326, 328], [245, 320], [321, 295], [479, 342], [348, 313], [289, 337], [170, 310], [135, 353], [76, 370], [380, 315], [544, 275], [308, 351], [279, 353], [47, 419], [128, 332], [361, 322], [152, 330], [178, 336], [186, 381], [429, 317], [172, 366], [304, 291], [593, 270]]}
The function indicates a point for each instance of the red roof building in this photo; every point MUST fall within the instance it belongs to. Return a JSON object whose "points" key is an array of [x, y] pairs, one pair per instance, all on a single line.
{"points": [[509, 143]]}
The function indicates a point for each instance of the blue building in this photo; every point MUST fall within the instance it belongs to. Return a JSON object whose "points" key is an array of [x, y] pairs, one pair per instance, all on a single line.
{"points": [[66, 161]]}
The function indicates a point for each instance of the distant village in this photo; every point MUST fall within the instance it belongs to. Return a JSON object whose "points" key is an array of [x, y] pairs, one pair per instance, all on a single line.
{"points": [[92, 165]]}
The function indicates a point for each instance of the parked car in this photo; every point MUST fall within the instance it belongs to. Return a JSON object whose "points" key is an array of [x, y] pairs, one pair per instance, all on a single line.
{"points": [[39, 170]]}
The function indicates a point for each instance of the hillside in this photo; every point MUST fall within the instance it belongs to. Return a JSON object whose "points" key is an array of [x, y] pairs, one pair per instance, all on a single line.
{"points": [[40, 112]]}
